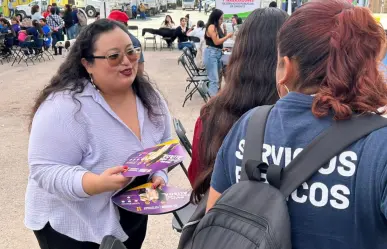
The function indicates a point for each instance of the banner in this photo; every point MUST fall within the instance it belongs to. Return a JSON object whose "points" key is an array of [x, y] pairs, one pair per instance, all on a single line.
{"points": [[239, 7]]}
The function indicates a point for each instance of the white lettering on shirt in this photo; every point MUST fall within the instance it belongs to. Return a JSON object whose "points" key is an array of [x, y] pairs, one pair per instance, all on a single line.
{"points": [[317, 194]]}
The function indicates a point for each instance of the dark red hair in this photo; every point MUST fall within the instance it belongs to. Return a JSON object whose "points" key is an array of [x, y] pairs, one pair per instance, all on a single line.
{"points": [[336, 46]]}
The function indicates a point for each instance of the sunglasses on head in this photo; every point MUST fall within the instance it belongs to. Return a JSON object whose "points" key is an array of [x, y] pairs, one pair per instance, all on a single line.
{"points": [[115, 58]]}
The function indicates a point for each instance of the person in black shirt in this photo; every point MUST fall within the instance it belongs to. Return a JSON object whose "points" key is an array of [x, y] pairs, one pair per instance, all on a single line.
{"points": [[215, 37], [181, 34]]}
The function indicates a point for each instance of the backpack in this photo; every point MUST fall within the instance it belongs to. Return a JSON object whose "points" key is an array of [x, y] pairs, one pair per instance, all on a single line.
{"points": [[254, 214]]}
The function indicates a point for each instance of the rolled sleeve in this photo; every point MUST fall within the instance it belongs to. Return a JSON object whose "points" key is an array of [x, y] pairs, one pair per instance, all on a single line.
{"points": [[162, 173], [77, 185]]}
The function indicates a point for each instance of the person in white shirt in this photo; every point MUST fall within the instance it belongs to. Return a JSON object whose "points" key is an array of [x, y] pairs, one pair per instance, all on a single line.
{"points": [[35, 13], [198, 32]]}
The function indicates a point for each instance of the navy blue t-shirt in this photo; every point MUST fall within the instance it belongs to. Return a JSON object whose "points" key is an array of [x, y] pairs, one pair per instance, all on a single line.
{"points": [[344, 205], [137, 44]]}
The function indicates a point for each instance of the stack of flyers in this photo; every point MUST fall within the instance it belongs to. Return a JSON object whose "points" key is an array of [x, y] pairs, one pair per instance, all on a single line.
{"points": [[153, 159], [148, 201]]}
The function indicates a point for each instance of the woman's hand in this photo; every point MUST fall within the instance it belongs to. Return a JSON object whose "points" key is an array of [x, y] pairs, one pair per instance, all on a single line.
{"points": [[157, 181], [229, 35], [110, 180]]}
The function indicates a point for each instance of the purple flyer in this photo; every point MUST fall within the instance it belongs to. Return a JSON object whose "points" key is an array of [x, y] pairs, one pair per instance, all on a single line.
{"points": [[148, 201], [154, 159]]}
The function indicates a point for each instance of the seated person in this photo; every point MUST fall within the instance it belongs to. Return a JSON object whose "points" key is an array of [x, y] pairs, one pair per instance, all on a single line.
{"points": [[37, 34], [142, 11], [167, 30], [181, 34], [6, 28], [198, 33]]}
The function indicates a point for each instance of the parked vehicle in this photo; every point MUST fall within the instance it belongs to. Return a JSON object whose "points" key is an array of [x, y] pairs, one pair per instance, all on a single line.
{"points": [[209, 6], [188, 4], [164, 5], [171, 4], [91, 7], [152, 6], [25, 9]]}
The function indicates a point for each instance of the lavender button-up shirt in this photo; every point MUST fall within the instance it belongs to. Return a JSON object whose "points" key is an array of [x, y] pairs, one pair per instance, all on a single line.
{"points": [[68, 139]]}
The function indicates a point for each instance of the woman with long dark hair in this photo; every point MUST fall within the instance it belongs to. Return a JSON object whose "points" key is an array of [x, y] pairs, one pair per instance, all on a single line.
{"points": [[214, 37], [95, 112], [168, 22], [322, 81], [181, 34], [250, 83]]}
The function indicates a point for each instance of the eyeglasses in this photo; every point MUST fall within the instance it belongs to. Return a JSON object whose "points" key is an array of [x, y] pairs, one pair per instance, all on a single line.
{"points": [[116, 58]]}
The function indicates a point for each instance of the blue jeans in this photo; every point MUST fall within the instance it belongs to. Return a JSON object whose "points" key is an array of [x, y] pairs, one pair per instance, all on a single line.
{"points": [[56, 36], [142, 15], [71, 32], [182, 45], [212, 61]]}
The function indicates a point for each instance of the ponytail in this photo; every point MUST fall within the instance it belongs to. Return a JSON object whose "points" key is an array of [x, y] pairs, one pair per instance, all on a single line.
{"points": [[353, 82], [337, 47]]}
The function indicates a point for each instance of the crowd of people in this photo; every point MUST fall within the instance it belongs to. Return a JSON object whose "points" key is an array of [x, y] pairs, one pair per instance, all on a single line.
{"points": [[45, 29], [318, 67]]}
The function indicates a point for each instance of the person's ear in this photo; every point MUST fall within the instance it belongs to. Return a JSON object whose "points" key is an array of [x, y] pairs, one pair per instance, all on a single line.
{"points": [[289, 72], [88, 66]]}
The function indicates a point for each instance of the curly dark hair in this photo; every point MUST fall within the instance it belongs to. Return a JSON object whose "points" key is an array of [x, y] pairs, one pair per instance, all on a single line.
{"points": [[71, 75]]}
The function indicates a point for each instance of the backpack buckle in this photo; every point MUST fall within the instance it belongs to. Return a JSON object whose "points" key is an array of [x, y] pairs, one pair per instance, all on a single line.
{"points": [[274, 175], [254, 168]]}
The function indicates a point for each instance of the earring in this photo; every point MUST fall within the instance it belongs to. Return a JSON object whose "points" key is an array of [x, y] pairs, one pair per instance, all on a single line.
{"points": [[287, 89], [92, 82]]}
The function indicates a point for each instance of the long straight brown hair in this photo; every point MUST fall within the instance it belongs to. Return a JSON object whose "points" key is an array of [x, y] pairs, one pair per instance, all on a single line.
{"points": [[251, 82]]}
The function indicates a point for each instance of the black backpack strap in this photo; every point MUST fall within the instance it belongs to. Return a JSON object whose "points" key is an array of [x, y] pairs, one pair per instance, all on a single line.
{"points": [[327, 145], [252, 155]]}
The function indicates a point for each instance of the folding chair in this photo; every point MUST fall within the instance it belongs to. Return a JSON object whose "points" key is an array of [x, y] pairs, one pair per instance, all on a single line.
{"points": [[23, 51], [38, 49], [6, 44], [182, 216], [163, 41], [181, 133], [152, 39], [2, 40], [46, 47], [196, 80], [195, 70], [135, 28]]}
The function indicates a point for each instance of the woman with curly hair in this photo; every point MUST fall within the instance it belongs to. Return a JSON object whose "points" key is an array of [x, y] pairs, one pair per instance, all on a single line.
{"points": [[94, 113]]}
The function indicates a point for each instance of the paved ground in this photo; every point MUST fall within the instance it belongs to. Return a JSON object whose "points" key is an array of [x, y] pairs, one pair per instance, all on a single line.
{"points": [[19, 86]]}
